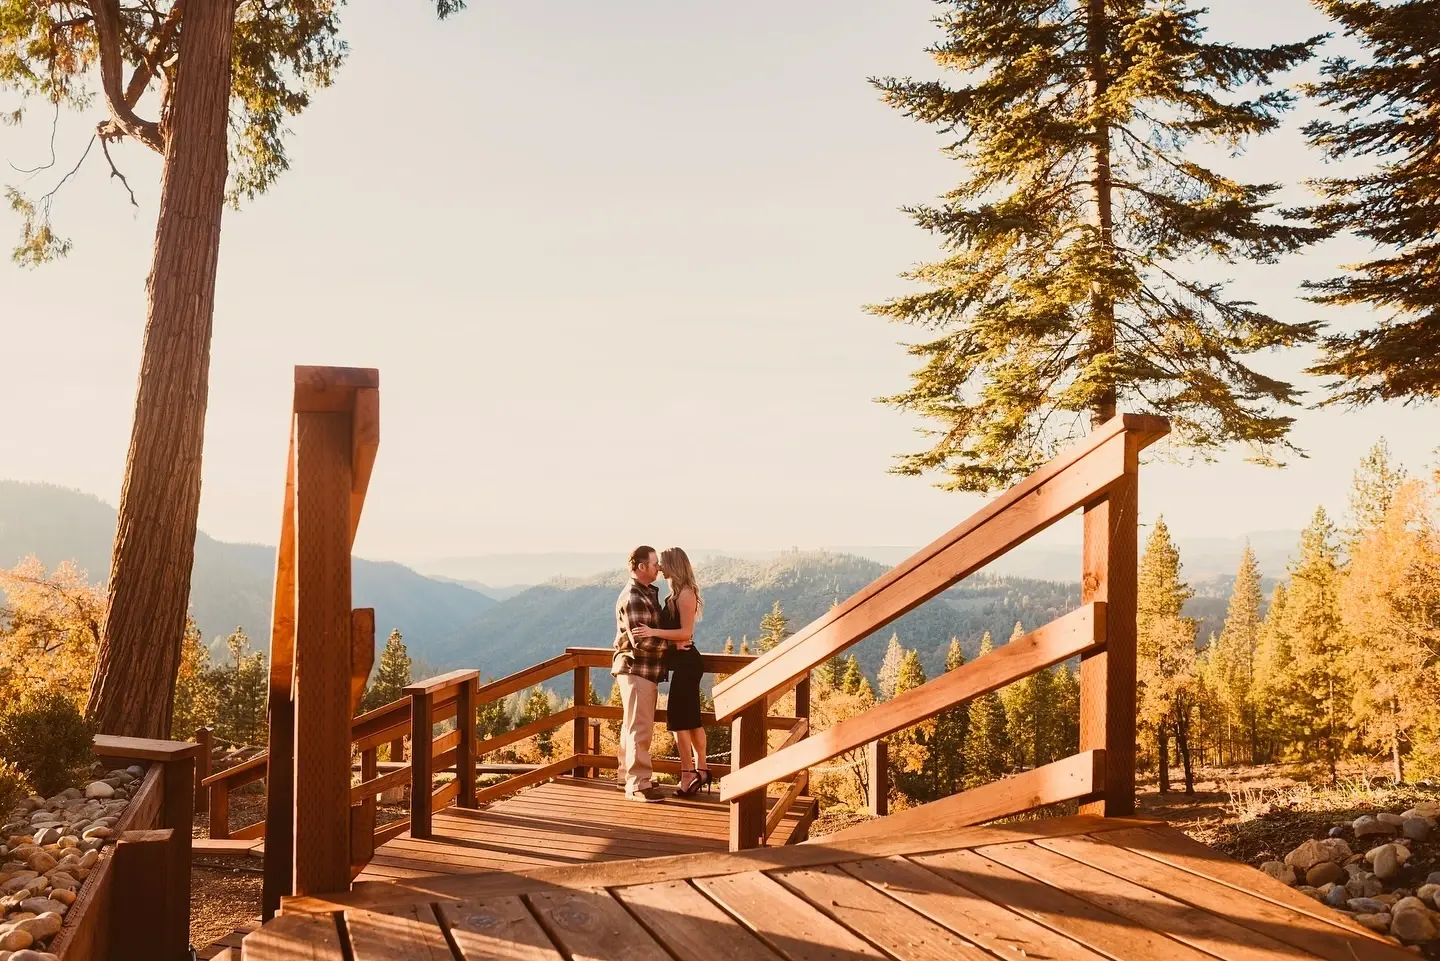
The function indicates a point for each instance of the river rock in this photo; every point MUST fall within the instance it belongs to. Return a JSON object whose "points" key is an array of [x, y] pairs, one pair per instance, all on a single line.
{"points": [[1375, 922], [88, 859], [1427, 893], [18, 882], [67, 897], [99, 789], [1394, 820], [1364, 887], [1337, 896], [41, 905], [1312, 852], [1417, 829], [99, 831], [1367, 906], [1368, 825], [1413, 925], [1326, 872], [1425, 809], [15, 940], [41, 926], [1280, 871], [1387, 863], [32, 956]]}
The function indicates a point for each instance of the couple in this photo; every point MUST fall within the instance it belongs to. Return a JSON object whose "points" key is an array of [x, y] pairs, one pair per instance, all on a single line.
{"points": [[651, 642]]}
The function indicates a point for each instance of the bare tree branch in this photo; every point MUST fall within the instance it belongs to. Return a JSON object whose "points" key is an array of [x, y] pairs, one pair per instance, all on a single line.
{"points": [[54, 126], [115, 173], [154, 54]]}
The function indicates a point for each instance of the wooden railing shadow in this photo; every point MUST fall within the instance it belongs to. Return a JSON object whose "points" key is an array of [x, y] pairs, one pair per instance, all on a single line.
{"points": [[1099, 476]]}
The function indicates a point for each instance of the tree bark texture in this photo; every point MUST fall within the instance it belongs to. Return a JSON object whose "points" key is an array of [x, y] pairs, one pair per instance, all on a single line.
{"points": [[154, 550], [1102, 305]]}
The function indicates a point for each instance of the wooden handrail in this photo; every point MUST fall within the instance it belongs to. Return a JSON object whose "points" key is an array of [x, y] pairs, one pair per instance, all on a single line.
{"points": [[529, 677], [241, 774], [607, 712], [712, 663], [549, 722], [432, 685], [1081, 475], [1075, 633]]}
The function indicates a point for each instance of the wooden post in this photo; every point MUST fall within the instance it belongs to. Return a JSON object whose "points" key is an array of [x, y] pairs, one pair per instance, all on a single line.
{"points": [[465, 758], [177, 814], [361, 850], [747, 745], [802, 698], [581, 722], [1107, 677], [321, 826], [397, 750], [205, 738], [877, 761], [595, 739], [149, 910], [422, 756], [219, 800]]}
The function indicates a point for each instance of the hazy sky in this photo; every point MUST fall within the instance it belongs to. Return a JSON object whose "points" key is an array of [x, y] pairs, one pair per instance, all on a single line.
{"points": [[556, 228]]}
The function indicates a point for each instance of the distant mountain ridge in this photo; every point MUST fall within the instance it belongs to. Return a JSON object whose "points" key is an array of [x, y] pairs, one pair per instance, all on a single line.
{"points": [[232, 584]]}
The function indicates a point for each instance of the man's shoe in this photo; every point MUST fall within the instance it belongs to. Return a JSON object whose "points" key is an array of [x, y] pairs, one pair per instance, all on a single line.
{"points": [[648, 795]]}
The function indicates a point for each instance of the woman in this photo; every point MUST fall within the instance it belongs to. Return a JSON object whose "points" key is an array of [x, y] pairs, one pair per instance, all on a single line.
{"points": [[677, 625]]}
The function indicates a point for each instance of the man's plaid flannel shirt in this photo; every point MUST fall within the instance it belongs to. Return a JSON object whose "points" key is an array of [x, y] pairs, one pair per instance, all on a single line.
{"points": [[640, 656]]}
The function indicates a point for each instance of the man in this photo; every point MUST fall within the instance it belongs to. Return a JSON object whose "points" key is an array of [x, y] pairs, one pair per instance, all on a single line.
{"points": [[638, 667]]}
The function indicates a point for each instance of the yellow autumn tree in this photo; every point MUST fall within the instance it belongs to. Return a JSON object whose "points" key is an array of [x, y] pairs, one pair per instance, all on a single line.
{"points": [[50, 627]]}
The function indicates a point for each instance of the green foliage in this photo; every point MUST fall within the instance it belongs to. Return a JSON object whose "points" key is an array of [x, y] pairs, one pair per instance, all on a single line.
{"points": [[196, 699], [1373, 488], [538, 705], [1167, 669], [44, 735], [1230, 663], [1385, 110], [1062, 297], [242, 689], [853, 678], [945, 766], [987, 742], [14, 786], [774, 628], [392, 675]]}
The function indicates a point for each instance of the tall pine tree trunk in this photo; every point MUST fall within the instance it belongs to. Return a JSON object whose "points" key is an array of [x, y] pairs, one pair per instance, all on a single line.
{"points": [[1163, 749], [154, 550], [1102, 305]]}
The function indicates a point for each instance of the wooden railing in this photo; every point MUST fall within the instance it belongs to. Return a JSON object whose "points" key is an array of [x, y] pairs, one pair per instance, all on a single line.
{"points": [[1097, 475]]}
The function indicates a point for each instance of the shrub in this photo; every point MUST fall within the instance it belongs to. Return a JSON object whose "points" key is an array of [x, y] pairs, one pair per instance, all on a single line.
{"points": [[46, 737], [14, 786]]}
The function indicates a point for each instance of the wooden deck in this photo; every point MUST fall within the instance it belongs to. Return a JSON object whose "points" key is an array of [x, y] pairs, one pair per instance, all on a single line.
{"points": [[1071, 889], [563, 822]]}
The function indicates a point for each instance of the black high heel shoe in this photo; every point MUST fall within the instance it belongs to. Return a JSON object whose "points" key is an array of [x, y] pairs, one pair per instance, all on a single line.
{"points": [[703, 780]]}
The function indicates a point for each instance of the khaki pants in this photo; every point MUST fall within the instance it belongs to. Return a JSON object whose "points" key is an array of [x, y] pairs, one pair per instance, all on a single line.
{"points": [[638, 697]]}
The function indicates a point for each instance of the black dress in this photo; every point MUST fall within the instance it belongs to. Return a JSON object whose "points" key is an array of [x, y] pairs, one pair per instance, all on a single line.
{"points": [[683, 705]]}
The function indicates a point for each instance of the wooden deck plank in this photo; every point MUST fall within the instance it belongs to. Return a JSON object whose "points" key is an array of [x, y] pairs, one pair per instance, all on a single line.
{"points": [[592, 926], [991, 926], [500, 929], [690, 925], [411, 933], [1177, 849], [1264, 917], [1216, 935], [295, 937], [794, 928], [897, 930], [1073, 917]]}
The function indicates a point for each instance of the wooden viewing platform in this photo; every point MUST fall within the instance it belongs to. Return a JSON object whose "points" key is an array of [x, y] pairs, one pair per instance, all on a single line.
{"points": [[1071, 889]]}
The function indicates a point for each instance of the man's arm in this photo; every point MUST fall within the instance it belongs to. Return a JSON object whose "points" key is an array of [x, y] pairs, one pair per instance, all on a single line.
{"points": [[638, 612]]}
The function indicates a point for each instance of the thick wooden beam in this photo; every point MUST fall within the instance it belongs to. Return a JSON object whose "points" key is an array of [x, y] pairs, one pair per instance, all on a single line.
{"points": [[877, 769], [205, 738], [747, 746], [422, 759], [280, 782], [149, 910], [362, 653], [579, 724], [1107, 676], [323, 674], [465, 751]]}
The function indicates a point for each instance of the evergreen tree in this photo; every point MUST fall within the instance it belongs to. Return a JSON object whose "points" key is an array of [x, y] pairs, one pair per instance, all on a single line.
{"points": [[537, 706], [946, 772], [909, 750], [1063, 288], [1318, 687], [1387, 110], [729, 647], [242, 687], [1372, 491], [196, 701], [744, 644], [889, 671], [1276, 715], [1391, 607], [1166, 668], [1231, 659], [774, 628], [986, 739], [492, 718], [853, 678], [1065, 710], [392, 675]]}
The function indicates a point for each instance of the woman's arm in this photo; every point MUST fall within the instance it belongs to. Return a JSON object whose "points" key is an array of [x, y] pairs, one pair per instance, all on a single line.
{"points": [[686, 632]]}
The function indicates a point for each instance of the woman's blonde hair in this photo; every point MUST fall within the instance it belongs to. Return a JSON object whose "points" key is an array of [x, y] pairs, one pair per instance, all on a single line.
{"points": [[676, 565]]}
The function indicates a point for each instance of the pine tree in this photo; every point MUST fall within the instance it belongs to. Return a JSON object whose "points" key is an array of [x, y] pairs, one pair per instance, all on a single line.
{"points": [[537, 706], [909, 750], [492, 718], [1065, 709], [1387, 111], [1166, 668], [1018, 699], [1063, 289], [243, 688], [986, 739], [392, 675], [729, 647], [1231, 657], [744, 644], [774, 628], [1277, 717], [946, 771], [1390, 602], [196, 700], [1372, 490], [1318, 688], [853, 678], [889, 671]]}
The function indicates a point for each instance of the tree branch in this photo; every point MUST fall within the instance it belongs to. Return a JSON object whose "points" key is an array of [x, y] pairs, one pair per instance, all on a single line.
{"points": [[115, 173], [154, 54], [123, 122]]}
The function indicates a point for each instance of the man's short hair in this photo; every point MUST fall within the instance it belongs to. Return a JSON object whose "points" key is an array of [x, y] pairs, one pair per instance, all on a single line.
{"points": [[639, 556]]}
